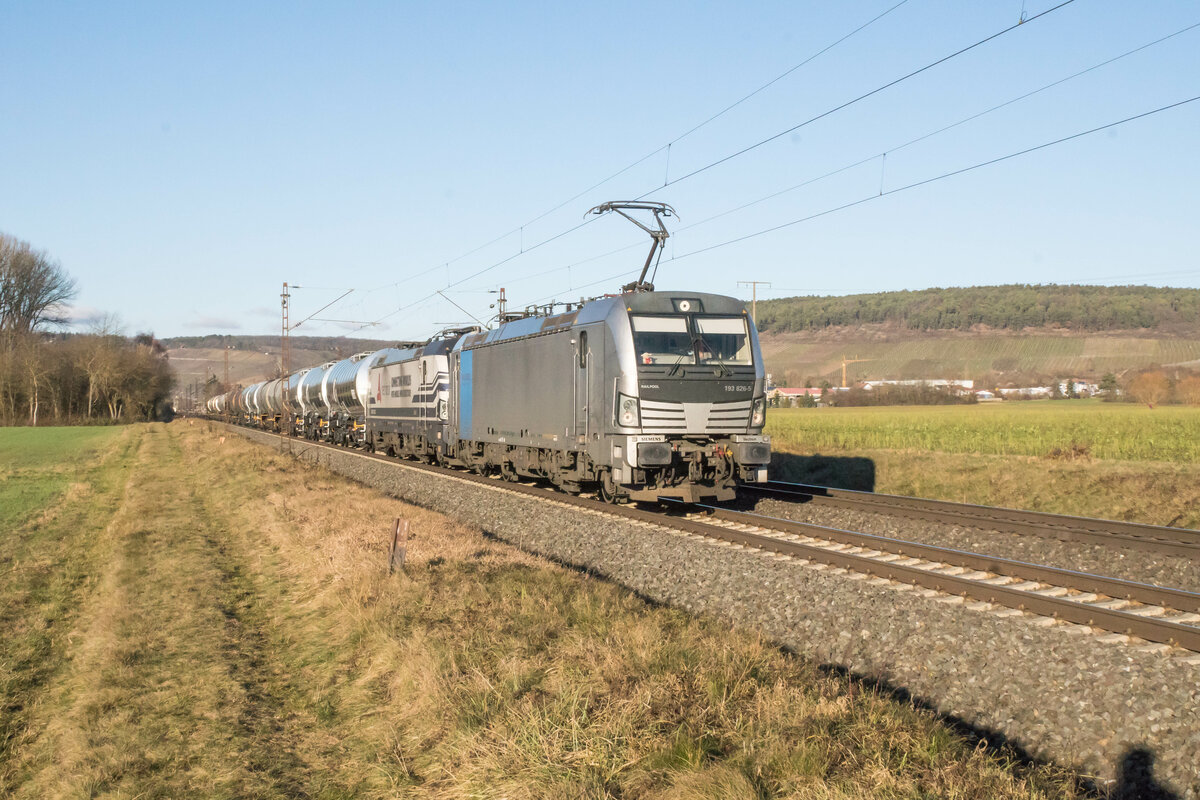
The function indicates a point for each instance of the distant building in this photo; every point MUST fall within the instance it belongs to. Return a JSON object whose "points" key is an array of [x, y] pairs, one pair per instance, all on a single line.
{"points": [[1025, 392], [1082, 388], [958, 386], [790, 397]]}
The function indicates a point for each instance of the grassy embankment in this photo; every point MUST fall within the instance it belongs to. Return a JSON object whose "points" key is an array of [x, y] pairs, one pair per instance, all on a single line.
{"points": [[186, 617], [1113, 460]]}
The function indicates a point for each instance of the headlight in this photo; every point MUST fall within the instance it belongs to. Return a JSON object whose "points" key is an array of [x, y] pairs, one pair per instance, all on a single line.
{"points": [[627, 411], [442, 411], [758, 412]]}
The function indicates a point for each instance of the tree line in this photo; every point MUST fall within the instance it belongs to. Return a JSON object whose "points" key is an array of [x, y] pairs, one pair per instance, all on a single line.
{"points": [[1011, 307], [49, 376]]}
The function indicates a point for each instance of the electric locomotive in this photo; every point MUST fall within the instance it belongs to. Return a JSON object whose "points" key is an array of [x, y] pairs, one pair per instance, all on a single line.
{"points": [[643, 396]]}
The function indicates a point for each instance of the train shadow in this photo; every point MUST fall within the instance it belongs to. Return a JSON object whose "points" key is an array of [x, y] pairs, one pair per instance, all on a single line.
{"points": [[836, 472]]}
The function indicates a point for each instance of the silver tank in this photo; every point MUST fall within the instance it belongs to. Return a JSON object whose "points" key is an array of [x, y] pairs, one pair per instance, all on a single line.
{"points": [[353, 394], [273, 393], [248, 398], [311, 399], [292, 402], [340, 385], [259, 399]]}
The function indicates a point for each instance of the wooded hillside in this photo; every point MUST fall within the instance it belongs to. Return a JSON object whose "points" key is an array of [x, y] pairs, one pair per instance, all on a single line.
{"points": [[1012, 307]]}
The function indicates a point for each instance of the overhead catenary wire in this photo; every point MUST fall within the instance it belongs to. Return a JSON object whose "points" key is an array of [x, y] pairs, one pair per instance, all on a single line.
{"points": [[891, 150], [936, 178], [520, 228], [319, 310], [924, 182], [473, 275], [897, 148], [781, 76], [723, 160], [849, 103]]}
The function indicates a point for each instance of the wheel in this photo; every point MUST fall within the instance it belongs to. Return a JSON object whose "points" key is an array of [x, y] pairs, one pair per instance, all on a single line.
{"points": [[607, 489]]}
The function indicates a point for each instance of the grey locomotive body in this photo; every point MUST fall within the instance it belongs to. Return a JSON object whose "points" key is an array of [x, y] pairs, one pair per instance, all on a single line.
{"points": [[644, 395]]}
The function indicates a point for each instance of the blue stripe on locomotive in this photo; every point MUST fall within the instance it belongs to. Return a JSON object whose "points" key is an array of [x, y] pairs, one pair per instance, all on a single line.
{"points": [[466, 359]]}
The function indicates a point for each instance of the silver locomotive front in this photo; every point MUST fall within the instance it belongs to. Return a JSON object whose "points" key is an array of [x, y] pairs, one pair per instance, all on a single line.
{"points": [[689, 404]]}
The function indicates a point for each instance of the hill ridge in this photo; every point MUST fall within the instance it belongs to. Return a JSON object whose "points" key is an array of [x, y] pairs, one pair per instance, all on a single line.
{"points": [[1004, 307]]}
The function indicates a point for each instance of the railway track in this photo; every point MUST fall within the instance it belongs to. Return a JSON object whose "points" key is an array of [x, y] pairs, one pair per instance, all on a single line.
{"points": [[1181, 542], [1155, 614]]}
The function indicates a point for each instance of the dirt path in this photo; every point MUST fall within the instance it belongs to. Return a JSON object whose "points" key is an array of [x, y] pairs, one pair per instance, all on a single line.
{"points": [[167, 686]]}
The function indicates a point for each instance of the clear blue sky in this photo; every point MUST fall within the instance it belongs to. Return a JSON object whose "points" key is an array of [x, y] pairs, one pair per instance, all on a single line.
{"points": [[182, 161]]}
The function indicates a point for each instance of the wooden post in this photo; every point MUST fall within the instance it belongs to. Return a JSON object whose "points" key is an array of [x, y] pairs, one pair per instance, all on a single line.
{"points": [[399, 545]]}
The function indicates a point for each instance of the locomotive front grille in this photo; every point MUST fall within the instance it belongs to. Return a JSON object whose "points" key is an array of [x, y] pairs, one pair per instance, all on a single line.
{"points": [[709, 418]]}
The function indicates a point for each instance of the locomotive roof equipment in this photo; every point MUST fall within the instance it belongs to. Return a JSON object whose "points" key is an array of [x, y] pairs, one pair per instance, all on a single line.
{"points": [[659, 237]]}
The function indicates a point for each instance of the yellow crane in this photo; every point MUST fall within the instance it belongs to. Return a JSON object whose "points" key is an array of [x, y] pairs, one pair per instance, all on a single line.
{"points": [[846, 361]]}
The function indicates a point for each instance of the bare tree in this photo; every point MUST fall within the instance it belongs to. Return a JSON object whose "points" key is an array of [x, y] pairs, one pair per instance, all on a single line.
{"points": [[97, 357], [35, 369], [1188, 390], [1149, 387], [34, 288]]}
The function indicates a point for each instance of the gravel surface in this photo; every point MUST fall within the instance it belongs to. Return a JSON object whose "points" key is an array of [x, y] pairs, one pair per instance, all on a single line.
{"points": [[1112, 562], [1059, 691]]}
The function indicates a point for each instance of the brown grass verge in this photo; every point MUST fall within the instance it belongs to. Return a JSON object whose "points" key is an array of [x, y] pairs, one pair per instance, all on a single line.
{"points": [[246, 640]]}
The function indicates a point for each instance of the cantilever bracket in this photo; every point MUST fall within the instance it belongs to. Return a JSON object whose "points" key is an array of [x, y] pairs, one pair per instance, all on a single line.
{"points": [[659, 237]]}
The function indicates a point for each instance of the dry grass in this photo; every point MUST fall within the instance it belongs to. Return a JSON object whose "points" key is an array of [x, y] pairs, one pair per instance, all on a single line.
{"points": [[239, 637]]}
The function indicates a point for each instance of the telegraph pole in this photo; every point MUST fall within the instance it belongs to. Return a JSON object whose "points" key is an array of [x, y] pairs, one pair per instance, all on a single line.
{"points": [[754, 296], [285, 351]]}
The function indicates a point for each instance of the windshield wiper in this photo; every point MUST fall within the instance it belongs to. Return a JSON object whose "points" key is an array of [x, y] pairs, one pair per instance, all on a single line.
{"points": [[725, 371], [676, 365]]}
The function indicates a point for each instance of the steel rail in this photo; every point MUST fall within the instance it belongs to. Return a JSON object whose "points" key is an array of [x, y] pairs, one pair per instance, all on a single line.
{"points": [[1150, 594], [1182, 542], [1113, 620]]}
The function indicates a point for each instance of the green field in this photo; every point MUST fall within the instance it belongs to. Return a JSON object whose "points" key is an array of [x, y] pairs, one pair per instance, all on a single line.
{"points": [[1082, 457], [1119, 431], [38, 464]]}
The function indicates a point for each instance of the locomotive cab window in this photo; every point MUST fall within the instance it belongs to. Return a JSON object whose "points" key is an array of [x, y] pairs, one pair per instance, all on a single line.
{"points": [[661, 340], [723, 339]]}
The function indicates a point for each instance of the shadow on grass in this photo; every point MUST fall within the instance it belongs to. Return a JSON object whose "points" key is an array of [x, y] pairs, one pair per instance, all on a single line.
{"points": [[1133, 773], [836, 472]]}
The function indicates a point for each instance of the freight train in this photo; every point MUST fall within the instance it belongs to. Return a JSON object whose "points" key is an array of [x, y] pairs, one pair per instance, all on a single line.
{"points": [[641, 396]]}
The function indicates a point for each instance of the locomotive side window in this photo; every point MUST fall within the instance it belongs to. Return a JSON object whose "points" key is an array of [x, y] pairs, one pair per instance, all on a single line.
{"points": [[661, 340], [723, 339], [582, 349]]}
